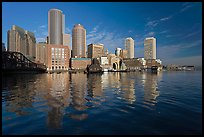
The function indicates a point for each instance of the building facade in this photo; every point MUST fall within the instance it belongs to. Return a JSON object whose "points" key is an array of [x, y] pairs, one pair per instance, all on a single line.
{"points": [[20, 40], [150, 48], [95, 50], [55, 26], [41, 53], [123, 53], [129, 46], [78, 41], [66, 39], [79, 63], [118, 51], [58, 57]]}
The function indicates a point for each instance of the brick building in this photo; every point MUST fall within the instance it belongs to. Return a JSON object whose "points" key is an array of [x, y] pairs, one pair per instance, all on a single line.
{"points": [[79, 63], [58, 57]]}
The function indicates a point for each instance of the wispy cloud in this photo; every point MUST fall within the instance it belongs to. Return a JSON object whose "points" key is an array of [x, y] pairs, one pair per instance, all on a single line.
{"points": [[109, 39], [192, 60], [150, 34], [41, 33], [67, 30], [169, 51], [42, 26], [192, 34], [186, 6], [163, 32], [166, 18], [154, 23]]}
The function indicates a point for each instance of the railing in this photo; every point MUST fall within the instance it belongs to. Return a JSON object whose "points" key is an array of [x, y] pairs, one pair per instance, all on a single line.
{"points": [[16, 61]]}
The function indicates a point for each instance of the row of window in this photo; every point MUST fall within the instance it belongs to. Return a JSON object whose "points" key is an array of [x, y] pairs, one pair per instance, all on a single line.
{"points": [[60, 67]]}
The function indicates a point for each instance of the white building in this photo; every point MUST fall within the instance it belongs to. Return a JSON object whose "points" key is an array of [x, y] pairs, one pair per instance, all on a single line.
{"points": [[150, 48], [117, 51], [104, 60], [129, 46]]}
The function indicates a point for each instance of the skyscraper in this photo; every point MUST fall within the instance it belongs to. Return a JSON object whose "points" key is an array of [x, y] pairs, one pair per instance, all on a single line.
{"points": [[150, 48], [79, 41], [20, 40], [55, 26], [129, 46]]}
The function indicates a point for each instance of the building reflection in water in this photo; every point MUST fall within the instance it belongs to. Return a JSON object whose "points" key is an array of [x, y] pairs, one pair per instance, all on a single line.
{"points": [[17, 93], [94, 85], [151, 91], [78, 96], [128, 87], [58, 97], [122, 83]]}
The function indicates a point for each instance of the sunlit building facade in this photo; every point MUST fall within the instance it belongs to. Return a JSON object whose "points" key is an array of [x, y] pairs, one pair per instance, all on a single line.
{"points": [[41, 53], [78, 41], [95, 50], [129, 46], [20, 40], [58, 57], [150, 48]]}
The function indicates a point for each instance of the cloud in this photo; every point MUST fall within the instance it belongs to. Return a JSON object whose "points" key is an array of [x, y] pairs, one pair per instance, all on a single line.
{"points": [[109, 39], [192, 60], [170, 51], [192, 34], [41, 33], [40, 40], [150, 34], [155, 23], [43, 26], [67, 30], [185, 6], [163, 32], [165, 18]]}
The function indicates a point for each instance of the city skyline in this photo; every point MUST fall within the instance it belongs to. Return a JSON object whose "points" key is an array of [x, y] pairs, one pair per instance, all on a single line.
{"points": [[175, 40]]}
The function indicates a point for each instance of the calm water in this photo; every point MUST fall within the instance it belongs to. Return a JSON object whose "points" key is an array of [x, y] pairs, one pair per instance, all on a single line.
{"points": [[111, 103]]}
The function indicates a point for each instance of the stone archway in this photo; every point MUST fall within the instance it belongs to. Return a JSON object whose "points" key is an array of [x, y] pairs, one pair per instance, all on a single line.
{"points": [[115, 65]]}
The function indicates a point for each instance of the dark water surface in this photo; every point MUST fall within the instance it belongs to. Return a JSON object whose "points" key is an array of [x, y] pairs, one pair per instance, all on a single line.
{"points": [[111, 103]]}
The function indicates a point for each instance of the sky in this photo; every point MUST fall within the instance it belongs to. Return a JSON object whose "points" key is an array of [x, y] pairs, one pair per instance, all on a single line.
{"points": [[177, 26]]}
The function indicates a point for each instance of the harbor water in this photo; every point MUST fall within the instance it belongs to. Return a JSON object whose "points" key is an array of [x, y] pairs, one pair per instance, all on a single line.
{"points": [[110, 103]]}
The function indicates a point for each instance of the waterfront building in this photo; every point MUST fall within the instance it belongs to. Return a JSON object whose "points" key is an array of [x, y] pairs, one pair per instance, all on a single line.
{"points": [[133, 64], [95, 50], [20, 40], [123, 53], [66, 39], [117, 51], [150, 48], [3, 47], [153, 62], [55, 26], [78, 41], [104, 61], [79, 63], [110, 57], [41, 53], [58, 57], [129, 46]]}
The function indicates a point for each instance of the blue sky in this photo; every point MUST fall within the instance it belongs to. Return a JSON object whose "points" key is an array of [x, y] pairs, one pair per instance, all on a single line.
{"points": [[177, 26]]}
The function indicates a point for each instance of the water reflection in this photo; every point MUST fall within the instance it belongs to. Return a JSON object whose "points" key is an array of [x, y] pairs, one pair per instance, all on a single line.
{"points": [[54, 93], [58, 97], [123, 83], [17, 93], [151, 90]]}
